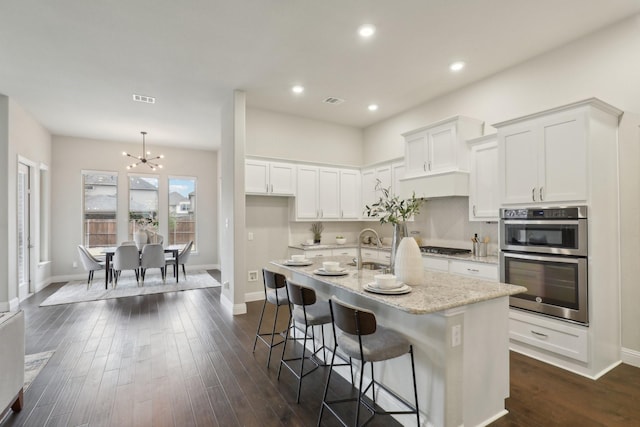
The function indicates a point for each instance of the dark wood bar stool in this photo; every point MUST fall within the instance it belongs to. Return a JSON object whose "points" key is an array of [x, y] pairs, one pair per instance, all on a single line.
{"points": [[275, 293], [360, 338], [309, 311]]}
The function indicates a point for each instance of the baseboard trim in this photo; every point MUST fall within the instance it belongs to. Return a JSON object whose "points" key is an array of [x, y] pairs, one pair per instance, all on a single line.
{"points": [[631, 357], [234, 309], [14, 304], [254, 296], [40, 286]]}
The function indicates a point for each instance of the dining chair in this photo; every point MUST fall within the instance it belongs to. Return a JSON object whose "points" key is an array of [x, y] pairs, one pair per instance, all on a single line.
{"points": [[90, 263], [126, 257], [183, 258], [152, 257], [128, 243]]}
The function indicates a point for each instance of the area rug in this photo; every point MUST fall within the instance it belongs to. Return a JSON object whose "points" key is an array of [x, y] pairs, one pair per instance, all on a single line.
{"points": [[76, 291], [33, 364]]}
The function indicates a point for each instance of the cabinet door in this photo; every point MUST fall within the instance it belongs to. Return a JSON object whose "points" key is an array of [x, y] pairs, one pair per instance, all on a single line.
{"points": [[282, 179], [368, 188], [329, 193], [397, 173], [256, 177], [415, 156], [384, 176], [518, 150], [307, 193], [483, 182], [442, 149], [350, 206], [563, 169]]}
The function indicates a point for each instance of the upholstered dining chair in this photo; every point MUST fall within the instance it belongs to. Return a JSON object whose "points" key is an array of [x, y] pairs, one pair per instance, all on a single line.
{"points": [[128, 243], [126, 257], [152, 257], [90, 263], [183, 258]]}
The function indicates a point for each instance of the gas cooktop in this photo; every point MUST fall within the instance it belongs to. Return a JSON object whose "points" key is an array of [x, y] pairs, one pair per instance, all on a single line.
{"points": [[443, 251]]}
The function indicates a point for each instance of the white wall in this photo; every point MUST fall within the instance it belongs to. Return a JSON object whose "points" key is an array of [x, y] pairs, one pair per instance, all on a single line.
{"points": [[277, 135], [73, 155], [604, 65]]}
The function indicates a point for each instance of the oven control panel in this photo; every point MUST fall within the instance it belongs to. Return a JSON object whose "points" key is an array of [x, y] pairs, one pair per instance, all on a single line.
{"points": [[544, 213]]}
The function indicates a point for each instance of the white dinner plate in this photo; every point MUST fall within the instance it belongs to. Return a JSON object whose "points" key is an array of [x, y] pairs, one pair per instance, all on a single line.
{"points": [[403, 289], [322, 272], [292, 263]]}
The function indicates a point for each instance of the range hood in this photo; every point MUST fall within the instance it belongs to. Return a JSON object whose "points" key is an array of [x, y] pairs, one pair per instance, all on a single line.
{"points": [[445, 184]]}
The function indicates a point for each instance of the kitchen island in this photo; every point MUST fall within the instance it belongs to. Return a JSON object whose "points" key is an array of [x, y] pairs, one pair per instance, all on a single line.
{"points": [[459, 329]]}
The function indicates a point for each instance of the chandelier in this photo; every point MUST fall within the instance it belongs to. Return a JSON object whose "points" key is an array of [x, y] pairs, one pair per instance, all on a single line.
{"points": [[151, 162]]}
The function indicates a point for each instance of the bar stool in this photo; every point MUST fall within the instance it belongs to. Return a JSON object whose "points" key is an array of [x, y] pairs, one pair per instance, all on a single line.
{"points": [[310, 311], [361, 338], [275, 292]]}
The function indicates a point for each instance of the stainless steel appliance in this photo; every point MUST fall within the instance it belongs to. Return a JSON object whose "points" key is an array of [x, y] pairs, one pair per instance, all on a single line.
{"points": [[545, 250]]}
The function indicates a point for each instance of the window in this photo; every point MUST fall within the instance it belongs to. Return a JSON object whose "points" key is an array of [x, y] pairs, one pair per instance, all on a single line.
{"points": [[99, 208], [182, 211], [143, 201]]}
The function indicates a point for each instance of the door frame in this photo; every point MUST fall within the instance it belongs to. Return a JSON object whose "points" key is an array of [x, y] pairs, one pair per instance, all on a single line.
{"points": [[33, 166]]}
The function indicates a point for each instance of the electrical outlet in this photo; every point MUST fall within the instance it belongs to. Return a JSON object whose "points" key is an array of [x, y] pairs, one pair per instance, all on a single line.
{"points": [[456, 335], [225, 285], [253, 276], [250, 236], [75, 264]]}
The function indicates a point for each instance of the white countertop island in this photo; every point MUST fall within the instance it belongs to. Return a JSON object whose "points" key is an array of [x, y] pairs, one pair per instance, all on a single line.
{"points": [[459, 330]]}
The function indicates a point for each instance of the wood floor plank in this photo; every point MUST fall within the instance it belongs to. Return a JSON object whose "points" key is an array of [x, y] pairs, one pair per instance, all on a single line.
{"points": [[181, 359]]}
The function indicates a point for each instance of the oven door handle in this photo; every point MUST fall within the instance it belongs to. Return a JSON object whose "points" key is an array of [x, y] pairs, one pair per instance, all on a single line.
{"points": [[539, 222], [560, 258]]}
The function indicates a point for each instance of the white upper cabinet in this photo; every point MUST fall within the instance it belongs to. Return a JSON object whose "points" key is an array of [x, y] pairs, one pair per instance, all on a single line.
{"points": [[269, 178], [350, 194], [544, 159], [374, 179], [327, 193], [306, 203], [440, 147], [484, 200]]}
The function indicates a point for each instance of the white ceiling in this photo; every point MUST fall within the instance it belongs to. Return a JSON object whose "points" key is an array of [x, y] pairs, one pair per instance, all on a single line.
{"points": [[74, 64]]}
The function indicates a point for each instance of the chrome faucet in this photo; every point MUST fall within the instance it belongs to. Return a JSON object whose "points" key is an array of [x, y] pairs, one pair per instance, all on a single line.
{"points": [[366, 230]]}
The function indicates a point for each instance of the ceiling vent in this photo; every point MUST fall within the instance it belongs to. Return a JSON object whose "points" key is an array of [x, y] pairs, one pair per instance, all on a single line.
{"points": [[143, 98], [333, 101]]}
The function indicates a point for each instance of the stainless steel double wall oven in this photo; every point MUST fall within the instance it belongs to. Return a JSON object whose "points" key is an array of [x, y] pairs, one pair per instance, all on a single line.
{"points": [[545, 250]]}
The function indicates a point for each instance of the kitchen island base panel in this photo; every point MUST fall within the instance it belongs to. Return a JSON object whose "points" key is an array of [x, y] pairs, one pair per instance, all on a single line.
{"points": [[458, 384]]}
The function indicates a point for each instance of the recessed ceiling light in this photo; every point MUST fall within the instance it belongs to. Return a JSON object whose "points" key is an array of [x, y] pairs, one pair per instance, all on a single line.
{"points": [[373, 107], [457, 66], [366, 31], [297, 89]]}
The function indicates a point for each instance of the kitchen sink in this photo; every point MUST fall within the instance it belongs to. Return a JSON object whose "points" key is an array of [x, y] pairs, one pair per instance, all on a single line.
{"points": [[370, 265]]}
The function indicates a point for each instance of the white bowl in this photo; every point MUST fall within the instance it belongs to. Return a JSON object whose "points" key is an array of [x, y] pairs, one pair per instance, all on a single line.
{"points": [[298, 258], [331, 266], [386, 281], [341, 241]]}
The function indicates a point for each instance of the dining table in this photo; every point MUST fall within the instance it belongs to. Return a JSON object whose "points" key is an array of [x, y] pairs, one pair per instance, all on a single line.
{"points": [[108, 253]]}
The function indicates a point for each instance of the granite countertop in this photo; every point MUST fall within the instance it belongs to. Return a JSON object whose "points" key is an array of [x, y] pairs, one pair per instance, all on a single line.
{"points": [[491, 259], [440, 291]]}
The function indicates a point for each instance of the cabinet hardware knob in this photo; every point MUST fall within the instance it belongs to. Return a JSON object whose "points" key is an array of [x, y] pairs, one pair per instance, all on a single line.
{"points": [[533, 194], [473, 270], [429, 165], [272, 188], [424, 166], [474, 210], [541, 197]]}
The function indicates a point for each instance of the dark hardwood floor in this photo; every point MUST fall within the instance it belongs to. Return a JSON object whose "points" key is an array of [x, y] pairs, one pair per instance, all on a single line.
{"points": [[180, 359]]}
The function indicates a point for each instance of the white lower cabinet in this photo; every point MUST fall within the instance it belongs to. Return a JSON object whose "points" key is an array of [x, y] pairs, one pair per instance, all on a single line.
{"points": [[552, 335], [344, 252], [478, 270], [474, 269]]}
